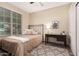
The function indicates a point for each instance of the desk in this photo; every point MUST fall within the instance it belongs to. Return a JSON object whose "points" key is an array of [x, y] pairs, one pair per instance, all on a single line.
{"points": [[57, 36]]}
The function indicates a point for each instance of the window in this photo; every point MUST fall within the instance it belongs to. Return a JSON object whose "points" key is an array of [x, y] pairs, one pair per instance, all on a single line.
{"points": [[10, 22], [16, 23]]}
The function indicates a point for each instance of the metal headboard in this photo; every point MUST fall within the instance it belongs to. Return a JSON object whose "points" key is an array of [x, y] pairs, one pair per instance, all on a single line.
{"points": [[39, 28]]}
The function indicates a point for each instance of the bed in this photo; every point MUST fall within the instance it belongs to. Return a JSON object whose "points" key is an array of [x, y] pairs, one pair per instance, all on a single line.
{"points": [[22, 45], [0, 43]]}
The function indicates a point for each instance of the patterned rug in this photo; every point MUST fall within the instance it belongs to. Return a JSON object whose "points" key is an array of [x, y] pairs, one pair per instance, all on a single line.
{"points": [[47, 50], [50, 50]]}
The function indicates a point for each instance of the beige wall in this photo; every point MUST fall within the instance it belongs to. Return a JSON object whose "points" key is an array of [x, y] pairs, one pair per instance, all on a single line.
{"points": [[59, 13], [25, 15]]}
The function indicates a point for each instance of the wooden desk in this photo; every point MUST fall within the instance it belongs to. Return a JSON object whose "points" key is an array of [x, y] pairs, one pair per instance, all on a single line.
{"points": [[57, 36]]}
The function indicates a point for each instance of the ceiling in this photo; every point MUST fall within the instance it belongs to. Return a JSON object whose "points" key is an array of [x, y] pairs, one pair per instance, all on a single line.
{"points": [[37, 6]]}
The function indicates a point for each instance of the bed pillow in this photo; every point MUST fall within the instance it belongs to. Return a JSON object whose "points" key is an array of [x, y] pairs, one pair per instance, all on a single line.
{"points": [[34, 32], [29, 31]]}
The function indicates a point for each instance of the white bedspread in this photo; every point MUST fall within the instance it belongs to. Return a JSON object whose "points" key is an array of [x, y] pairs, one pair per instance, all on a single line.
{"points": [[22, 39]]}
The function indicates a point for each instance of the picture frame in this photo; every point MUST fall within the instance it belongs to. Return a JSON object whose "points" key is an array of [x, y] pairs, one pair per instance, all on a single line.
{"points": [[55, 24]]}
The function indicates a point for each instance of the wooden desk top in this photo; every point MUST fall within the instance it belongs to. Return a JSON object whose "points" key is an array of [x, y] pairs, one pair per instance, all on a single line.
{"points": [[56, 34]]}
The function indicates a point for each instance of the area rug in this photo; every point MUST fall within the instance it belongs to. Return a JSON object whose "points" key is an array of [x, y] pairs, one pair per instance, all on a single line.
{"points": [[49, 50]]}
